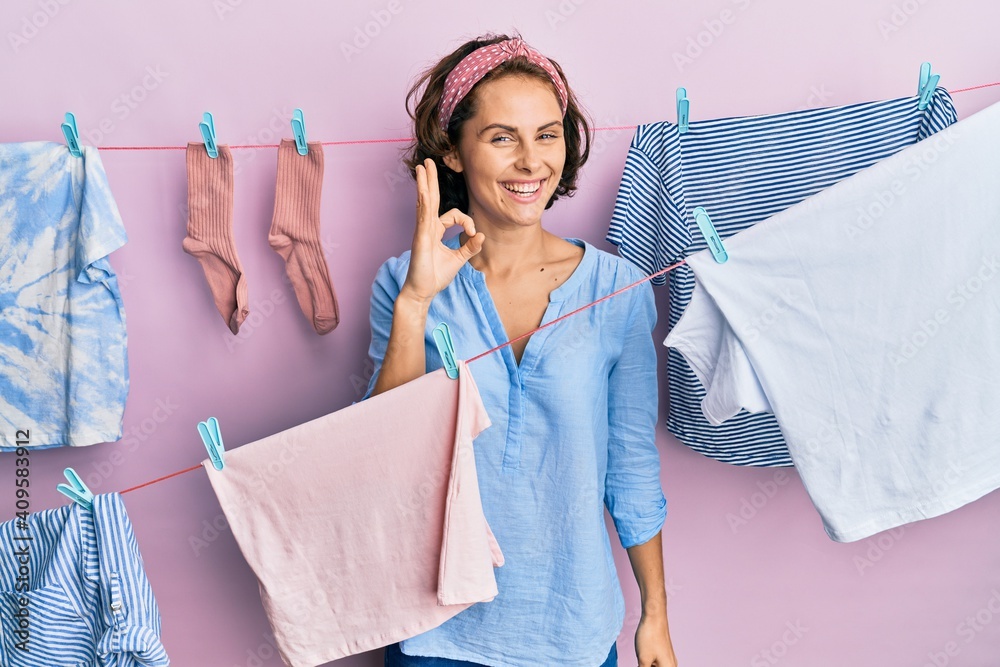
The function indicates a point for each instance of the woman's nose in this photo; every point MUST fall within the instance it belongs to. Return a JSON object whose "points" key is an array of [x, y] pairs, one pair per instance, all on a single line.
{"points": [[527, 159]]}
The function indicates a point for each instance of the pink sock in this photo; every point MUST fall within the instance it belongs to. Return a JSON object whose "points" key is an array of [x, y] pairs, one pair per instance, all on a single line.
{"points": [[210, 231], [295, 231]]}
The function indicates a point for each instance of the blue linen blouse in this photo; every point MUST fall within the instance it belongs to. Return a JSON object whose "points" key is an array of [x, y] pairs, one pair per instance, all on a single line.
{"points": [[573, 429]]}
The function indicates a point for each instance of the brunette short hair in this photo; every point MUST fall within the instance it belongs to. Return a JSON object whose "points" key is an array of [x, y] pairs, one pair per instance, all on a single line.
{"points": [[430, 141]]}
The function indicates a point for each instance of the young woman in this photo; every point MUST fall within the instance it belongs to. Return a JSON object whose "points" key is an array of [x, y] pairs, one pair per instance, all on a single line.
{"points": [[499, 138]]}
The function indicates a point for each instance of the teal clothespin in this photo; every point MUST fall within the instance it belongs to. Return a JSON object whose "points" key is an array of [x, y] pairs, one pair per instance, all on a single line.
{"points": [[711, 236], [207, 127], [926, 87], [299, 132], [72, 135], [76, 491], [683, 107], [212, 437], [446, 348]]}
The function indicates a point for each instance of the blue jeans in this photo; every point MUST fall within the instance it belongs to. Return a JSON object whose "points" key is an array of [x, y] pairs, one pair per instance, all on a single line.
{"points": [[396, 658]]}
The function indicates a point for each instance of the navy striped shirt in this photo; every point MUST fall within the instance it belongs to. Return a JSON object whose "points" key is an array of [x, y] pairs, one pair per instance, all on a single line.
{"points": [[88, 601], [744, 170]]}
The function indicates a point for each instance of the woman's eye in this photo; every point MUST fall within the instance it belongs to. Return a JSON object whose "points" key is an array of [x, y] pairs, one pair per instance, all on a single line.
{"points": [[550, 135], [501, 139]]}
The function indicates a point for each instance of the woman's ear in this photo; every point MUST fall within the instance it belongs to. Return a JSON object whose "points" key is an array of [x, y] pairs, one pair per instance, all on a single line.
{"points": [[453, 160]]}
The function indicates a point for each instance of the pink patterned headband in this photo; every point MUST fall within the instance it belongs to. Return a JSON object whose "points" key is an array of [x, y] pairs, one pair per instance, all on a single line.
{"points": [[474, 67]]}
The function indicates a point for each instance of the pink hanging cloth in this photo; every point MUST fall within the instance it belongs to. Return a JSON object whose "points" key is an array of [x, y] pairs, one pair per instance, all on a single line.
{"points": [[365, 526]]}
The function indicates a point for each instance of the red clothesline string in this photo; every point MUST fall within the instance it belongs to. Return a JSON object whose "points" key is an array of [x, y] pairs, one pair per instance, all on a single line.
{"points": [[983, 85], [574, 312], [160, 479], [493, 349], [407, 139]]}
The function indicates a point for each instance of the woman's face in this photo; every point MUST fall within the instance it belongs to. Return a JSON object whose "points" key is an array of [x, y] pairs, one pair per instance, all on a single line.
{"points": [[512, 151]]}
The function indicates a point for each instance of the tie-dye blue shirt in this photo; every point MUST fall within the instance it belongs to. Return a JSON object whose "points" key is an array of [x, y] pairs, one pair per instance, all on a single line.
{"points": [[63, 361]]}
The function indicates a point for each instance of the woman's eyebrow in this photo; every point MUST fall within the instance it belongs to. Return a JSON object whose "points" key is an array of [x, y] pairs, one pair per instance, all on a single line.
{"points": [[511, 129]]}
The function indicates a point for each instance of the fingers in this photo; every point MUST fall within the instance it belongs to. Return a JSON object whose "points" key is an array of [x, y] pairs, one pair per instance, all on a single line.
{"points": [[454, 217], [422, 195], [433, 190], [428, 194], [472, 247], [474, 244]]}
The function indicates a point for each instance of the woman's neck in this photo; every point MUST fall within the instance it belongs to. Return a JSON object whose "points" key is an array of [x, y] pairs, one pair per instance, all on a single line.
{"points": [[509, 251]]}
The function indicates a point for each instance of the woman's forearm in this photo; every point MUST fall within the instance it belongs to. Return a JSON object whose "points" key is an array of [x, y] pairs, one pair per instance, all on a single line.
{"points": [[652, 635], [647, 565], [404, 355]]}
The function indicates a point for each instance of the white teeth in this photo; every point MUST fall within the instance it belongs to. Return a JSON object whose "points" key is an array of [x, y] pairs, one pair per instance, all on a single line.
{"points": [[523, 188]]}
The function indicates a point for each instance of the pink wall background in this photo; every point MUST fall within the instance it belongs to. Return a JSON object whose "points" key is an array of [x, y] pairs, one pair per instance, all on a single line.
{"points": [[770, 590]]}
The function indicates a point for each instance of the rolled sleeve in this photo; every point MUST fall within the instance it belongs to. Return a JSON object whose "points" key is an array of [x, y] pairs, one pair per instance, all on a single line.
{"points": [[632, 490]]}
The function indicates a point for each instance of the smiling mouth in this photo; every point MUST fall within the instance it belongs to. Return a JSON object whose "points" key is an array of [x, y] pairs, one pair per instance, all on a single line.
{"points": [[525, 190]]}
